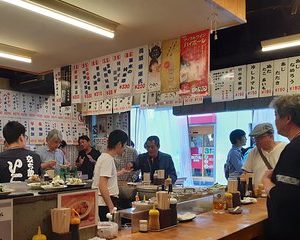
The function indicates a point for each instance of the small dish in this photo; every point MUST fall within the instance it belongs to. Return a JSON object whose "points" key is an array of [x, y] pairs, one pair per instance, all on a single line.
{"points": [[237, 210], [6, 192], [186, 217], [35, 186]]}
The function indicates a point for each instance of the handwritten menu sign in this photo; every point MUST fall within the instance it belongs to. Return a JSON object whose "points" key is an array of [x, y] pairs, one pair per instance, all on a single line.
{"points": [[116, 71], [140, 69], [280, 77], [294, 75], [190, 100], [86, 81], [76, 84], [57, 86], [266, 79], [125, 83], [222, 85], [66, 85], [106, 69], [97, 81], [253, 80], [239, 82]]}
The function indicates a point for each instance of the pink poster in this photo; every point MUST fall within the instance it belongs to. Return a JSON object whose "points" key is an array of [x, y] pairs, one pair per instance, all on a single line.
{"points": [[194, 63]]}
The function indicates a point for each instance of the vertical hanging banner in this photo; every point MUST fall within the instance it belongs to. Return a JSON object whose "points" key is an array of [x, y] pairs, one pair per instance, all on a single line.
{"points": [[7, 103], [140, 69], [253, 80], [170, 65], [76, 84], [154, 67], [294, 75], [116, 66], [65, 79], [97, 80], [280, 77], [239, 82], [86, 84], [222, 85], [194, 65], [57, 86], [107, 76], [125, 84], [266, 79], [16, 108], [143, 100]]}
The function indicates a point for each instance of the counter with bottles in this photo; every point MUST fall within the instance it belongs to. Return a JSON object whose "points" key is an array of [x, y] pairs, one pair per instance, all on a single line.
{"points": [[31, 208], [209, 225]]}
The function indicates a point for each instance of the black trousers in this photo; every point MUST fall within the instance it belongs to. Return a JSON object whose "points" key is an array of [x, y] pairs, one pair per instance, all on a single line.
{"points": [[103, 210]]}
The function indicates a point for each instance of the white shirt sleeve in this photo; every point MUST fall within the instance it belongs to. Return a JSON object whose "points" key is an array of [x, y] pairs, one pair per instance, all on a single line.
{"points": [[106, 166], [248, 165]]}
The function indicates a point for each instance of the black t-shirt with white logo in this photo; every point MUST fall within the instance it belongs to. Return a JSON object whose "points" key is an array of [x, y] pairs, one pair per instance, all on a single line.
{"points": [[18, 165]]}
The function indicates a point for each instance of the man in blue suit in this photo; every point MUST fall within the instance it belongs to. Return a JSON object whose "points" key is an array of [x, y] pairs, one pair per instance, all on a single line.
{"points": [[154, 160]]}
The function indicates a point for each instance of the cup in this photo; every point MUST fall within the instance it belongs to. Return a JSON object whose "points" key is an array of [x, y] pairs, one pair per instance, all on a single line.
{"points": [[219, 202], [146, 177], [50, 172]]}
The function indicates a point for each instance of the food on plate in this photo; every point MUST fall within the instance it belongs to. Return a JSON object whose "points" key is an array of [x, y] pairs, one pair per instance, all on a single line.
{"points": [[82, 208], [57, 181], [34, 178], [75, 181]]}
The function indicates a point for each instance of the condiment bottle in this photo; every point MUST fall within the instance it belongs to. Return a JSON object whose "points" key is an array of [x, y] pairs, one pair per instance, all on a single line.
{"points": [[137, 198], [39, 235], [143, 226], [74, 225], [228, 199], [250, 190], [242, 187], [154, 219]]}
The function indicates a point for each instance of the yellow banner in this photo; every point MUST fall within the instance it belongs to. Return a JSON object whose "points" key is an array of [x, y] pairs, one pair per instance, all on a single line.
{"points": [[170, 65]]}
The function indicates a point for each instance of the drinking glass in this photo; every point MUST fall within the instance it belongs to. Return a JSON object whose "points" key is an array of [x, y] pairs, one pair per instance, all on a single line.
{"points": [[219, 202]]}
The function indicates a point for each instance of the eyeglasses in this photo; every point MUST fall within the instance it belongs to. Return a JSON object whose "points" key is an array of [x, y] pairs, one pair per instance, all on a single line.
{"points": [[25, 136]]}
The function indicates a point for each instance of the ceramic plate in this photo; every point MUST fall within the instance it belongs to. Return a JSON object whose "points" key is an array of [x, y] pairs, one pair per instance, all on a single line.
{"points": [[50, 187], [6, 191], [186, 217]]}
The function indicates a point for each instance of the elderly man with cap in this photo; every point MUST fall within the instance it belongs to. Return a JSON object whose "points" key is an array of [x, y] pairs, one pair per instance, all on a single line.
{"points": [[266, 153]]}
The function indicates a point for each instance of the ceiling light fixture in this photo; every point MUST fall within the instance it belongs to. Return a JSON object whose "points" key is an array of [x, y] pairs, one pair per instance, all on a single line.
{"points": [[280, 43], [15, 53], [70, 14]]}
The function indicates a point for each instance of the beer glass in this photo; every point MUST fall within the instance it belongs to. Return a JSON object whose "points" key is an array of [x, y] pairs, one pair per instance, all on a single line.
{"points": [[219, 202]]}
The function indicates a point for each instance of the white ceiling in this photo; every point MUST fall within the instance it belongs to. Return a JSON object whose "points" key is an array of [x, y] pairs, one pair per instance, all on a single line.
{"points": [[141, 22]]}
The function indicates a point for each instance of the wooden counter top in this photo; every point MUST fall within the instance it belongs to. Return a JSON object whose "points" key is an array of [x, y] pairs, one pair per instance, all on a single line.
{"points": [[210, 226]]}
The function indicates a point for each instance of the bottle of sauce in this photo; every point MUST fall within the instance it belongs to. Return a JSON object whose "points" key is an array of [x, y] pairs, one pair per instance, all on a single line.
{"points": [[74, 225], [137, 198], [250, 190], [154, 219]]}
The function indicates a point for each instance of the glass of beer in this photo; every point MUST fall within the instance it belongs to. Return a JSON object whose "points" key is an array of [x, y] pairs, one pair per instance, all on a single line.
{"points": [[219, 202]]}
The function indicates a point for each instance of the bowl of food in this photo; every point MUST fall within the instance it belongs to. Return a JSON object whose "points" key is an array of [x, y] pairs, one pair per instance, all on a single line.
{"points": [[82, 207]]}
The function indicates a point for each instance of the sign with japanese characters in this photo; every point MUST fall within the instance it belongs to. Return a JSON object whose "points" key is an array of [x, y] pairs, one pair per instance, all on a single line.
{"points": [[266, 79], [194, 69], [294, 75], [280, 77], [222, 85], [154, 67], [239, 82], [140, 69], [253, 80]]}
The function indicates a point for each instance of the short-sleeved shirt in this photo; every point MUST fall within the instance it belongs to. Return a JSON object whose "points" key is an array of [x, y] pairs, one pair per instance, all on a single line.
{"points": [[18, 164], [129, 155], [105, 167], [87, 166], [235, 161], [46, 155], [255, 164]]}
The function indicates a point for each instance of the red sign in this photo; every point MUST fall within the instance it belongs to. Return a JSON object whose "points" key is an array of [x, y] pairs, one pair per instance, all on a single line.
{"points": [[194, 61]]}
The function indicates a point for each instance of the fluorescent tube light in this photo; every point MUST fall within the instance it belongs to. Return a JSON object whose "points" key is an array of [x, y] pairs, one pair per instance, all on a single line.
{"points": [[70, 14], [280, 43], [14, 53]]}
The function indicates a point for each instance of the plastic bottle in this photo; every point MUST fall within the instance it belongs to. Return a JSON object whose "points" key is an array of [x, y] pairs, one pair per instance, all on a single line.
{"points": [[74, 225], [137, 198], [154, 219]]}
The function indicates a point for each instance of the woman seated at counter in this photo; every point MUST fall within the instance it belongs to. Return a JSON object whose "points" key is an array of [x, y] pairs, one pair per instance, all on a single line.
{"points": [[17, 163], [154, 160]]}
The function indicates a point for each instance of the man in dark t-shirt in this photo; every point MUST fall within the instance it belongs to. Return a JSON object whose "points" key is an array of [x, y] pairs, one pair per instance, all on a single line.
{"points": [[17, 163], [87, 157]]}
